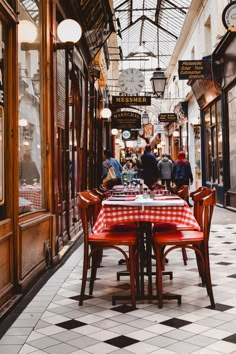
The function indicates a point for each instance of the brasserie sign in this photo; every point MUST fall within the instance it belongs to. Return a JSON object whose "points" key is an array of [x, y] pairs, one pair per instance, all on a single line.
{"points": [[194, 69], [126, 120], [131, 101]]}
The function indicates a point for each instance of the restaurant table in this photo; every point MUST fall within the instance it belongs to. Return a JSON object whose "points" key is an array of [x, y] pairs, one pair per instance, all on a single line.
{"points": [[145, 211], [31, 193]]}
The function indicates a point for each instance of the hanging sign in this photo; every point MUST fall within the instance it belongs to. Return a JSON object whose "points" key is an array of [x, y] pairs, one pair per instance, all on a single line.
{"points": [[124, 101], [126, 120], [167, 117], [148, 131], [194, 69], [229, 16]]}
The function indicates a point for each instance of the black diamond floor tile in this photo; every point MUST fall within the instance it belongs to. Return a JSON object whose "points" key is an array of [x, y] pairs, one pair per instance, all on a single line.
{"points": [[215, 254], [77, 297], [220, 307], [123, 308], [224, 263], [231, 276], [71, 324], [220, 236], [121, 341], [176, 323], [231, 339], [227, 242]]}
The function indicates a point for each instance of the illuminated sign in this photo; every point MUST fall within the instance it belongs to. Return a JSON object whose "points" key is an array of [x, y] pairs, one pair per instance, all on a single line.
{"points": [[131, 100], [194, 69], [167, 117]]}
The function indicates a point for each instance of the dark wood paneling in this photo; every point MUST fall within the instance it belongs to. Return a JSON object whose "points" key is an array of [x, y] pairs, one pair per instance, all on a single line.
{"points": [[32, 237]]}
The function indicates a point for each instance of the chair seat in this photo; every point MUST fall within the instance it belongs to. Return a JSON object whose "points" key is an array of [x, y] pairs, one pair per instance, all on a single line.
{"points": [[117, 238], [122, 227], [168, 226], [176, 236]]}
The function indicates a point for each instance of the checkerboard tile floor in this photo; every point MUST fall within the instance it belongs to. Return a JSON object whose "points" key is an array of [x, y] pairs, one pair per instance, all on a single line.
{"points": [[53, 322]]}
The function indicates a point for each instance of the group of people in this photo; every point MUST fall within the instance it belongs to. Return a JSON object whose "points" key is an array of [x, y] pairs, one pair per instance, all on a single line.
{"points": [[166, 170]]}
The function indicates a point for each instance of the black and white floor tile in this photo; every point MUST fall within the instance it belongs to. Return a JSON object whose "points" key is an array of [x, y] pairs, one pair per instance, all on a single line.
{"points": [[53, 323]]}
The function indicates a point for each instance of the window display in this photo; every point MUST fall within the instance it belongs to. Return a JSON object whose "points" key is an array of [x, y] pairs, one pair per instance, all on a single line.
{"points": [[30, 179]]}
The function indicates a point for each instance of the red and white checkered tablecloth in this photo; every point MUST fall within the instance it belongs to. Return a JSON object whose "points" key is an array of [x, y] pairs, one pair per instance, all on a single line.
{"points": [[33, 195], [111, 214]]}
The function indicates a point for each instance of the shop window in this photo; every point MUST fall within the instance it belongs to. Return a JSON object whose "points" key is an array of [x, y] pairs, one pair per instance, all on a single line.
{"points": [[3, 76], [219, 143], [213, 140], [232, 134], [30, 166], [208, 154]]}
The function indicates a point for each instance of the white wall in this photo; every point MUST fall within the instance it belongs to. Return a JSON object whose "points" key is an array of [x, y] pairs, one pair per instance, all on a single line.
{"points": [[195, 39]]}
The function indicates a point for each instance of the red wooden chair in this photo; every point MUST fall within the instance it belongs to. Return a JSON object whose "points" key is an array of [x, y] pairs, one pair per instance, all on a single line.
{"points": [[95, 243], [196, 240]]}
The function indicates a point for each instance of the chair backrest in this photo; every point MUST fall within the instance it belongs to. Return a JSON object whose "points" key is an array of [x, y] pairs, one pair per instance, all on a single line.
{"points": [[197, 196], [93, 204], [208, 204], [182, 192], [84, 209]]}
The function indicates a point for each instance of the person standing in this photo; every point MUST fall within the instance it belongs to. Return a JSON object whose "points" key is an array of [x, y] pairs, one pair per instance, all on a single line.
{"points": [[165, 168], [182, 171], [149, 164], [108, 162]]}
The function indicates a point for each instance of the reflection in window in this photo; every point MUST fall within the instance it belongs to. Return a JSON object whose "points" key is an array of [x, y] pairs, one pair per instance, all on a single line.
{"points": [[232, 134], [30, 179], [208, 154]]}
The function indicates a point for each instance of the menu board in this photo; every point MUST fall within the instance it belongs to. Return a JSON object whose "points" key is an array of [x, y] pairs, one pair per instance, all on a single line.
{"points": [[98, 23], [61, 88]]}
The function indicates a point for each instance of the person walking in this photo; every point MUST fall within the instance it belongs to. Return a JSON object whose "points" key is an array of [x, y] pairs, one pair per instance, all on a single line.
{"points": [[108, 162], [150, 170], [182, 171], [165, 168]]}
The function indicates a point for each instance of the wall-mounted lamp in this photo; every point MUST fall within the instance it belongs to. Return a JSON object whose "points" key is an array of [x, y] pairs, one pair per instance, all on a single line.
{"points": [[69, 32], [145, 118], [114, 131], [27, 32], [106, 113]]}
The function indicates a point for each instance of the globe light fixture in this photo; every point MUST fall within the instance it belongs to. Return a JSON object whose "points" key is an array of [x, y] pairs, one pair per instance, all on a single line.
{"points": [[106, 113], [27, 32], [114, 131], [176, 134], [69, 31]]}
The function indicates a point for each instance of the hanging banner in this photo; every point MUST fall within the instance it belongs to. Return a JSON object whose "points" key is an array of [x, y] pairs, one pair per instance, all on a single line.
{"points": [[148, 131], [126, 120]]}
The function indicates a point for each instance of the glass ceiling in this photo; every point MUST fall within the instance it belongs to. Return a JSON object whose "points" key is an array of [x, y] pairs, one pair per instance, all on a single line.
{"points": [[149, 30]]}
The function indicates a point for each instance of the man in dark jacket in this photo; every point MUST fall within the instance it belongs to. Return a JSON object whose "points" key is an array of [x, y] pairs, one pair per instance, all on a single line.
{"points": [[150, 170]]}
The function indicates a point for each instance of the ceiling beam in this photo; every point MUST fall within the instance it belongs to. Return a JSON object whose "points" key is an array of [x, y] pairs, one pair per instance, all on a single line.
{"points": [[180, 9]]}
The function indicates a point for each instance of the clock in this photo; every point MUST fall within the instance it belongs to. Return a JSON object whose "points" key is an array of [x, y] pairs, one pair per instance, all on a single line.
{"points": [[131, 81], [229, 16]]}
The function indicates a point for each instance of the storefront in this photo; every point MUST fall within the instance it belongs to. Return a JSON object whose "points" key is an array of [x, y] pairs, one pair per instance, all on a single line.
{"points": [[224, 58], [50, 134]]}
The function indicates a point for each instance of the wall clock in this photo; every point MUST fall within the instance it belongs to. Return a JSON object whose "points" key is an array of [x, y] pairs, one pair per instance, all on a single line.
{"points": [[131, 81]]}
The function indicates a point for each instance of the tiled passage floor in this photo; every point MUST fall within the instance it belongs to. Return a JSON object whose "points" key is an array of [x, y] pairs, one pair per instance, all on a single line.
{"points": [[53, 323]]}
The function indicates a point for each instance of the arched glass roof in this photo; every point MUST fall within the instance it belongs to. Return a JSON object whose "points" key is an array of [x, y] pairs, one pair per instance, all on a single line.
{"points": [[148, 31]]}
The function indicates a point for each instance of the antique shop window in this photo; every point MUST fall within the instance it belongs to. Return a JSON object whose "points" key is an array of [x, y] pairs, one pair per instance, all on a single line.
{"points": [[219, 143], [208, 155], [30, 176], [213, 139], [232, 134]]}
